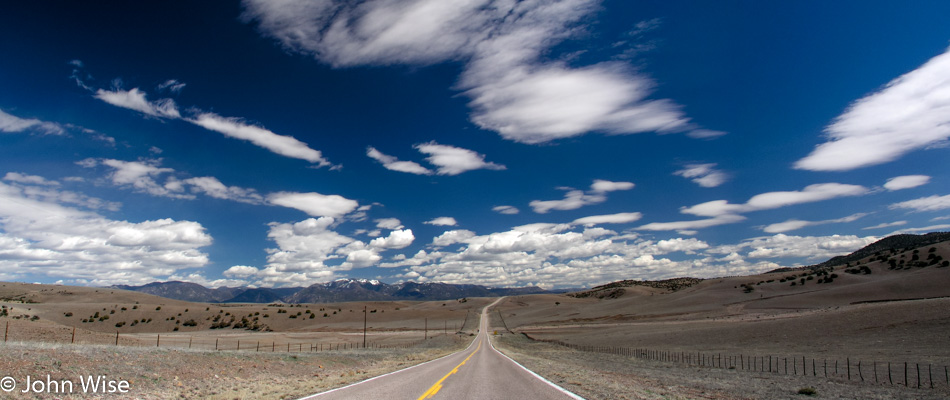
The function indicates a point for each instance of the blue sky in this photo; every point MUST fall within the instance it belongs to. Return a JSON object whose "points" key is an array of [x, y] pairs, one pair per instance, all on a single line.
{"points": [[553, 143]]}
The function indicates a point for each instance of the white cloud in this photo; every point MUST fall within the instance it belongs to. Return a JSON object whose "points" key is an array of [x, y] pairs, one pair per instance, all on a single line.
{"points": [[810, 247], [286, 146], [240, 271], [389, 223], [602, 186], [13, 124], [705, 175], [794, 224], [172, 85], [932, 228], [141, 176], [906, 182], [506, 210], [771, 200], [41, 189], [512, 90], [911, 112], [42, 238], [694, 224], [397, 239], [314, 204], [886, 225], [620, 218], [144, 175], [557, 254], [136, 100], [931, 203], [442, 221], [455, 160], [29, 179], [575, 199], [393, 164], [212, 187]]}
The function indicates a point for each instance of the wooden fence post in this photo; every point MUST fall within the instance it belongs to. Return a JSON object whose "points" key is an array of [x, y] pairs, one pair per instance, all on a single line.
{"points": [[158, 340], [116, 338], [6, 332], [73, 340]]}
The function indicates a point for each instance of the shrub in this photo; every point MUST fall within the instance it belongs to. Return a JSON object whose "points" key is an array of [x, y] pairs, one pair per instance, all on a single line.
{"points": [[190, 322], [159, 308], [68, 314], [807, 391]]}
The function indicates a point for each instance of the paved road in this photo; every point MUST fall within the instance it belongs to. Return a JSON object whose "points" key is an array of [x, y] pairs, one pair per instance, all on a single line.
{"points": [[478, 372]]}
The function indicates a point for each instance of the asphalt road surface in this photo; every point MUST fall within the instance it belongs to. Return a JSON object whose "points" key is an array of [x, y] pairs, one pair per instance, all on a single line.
{"points": [[478, 372]]}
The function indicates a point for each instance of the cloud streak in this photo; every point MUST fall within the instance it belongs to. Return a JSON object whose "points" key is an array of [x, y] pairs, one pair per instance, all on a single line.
{"points": [[910, 113], [512, 90]]}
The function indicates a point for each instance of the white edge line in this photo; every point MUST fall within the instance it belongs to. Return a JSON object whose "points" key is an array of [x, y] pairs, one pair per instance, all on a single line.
{"points": [[391, 373], [552, 384]]}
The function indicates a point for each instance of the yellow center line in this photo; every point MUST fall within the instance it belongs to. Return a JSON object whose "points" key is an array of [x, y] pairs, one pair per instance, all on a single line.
{"points": [[438, 385]]}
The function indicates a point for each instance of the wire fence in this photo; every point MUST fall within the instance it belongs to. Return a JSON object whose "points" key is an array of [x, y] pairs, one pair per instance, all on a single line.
{"points": [[917, 375], [264, 342]]}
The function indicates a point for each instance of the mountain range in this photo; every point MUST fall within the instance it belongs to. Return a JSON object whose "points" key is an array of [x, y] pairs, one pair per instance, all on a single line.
{"points": [[340, 290]]}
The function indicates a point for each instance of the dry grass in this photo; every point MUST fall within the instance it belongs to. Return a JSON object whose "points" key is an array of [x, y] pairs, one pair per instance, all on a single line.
{"points": [[200, 374], [606, 376]]}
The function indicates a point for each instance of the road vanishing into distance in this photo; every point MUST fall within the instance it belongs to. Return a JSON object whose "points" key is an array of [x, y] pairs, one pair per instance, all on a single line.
{"points": [[478, 372]]}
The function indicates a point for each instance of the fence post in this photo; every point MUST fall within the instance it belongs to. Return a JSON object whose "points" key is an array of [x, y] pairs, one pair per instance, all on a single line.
{"points": [[116, 338], [216, 343], [73, 340], [158, 340], [813, 371], [848, 360], [930, 375], [874, 365], [889, 377], [918, 375], [6, 332], [190, 339], [905, 374], [859, 371]]}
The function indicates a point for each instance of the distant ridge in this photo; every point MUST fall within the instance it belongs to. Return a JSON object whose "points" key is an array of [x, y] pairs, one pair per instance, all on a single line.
{"points": [[340, 290], [897, 242]]}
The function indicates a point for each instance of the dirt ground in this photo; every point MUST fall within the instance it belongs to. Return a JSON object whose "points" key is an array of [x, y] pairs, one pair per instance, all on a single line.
{"points": [[157, 373], [607, 376]]}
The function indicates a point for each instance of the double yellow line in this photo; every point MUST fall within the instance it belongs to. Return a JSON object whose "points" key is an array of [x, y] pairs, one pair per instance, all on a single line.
{"points": [[438, 385]]}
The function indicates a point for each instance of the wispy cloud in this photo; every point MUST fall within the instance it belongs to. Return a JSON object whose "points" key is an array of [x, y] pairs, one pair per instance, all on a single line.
{"points": [[314, 204], [513, 90], [886, 225], [13, 124], [506, 210], [452, 160], [135, 99], [931, 203], [166, 108], [771, 200], [393, 164], [442, 221], [906, 182], [619, 218], [575, 199], [795, 224], [909, 113], [286, 146], [705, 175]]}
